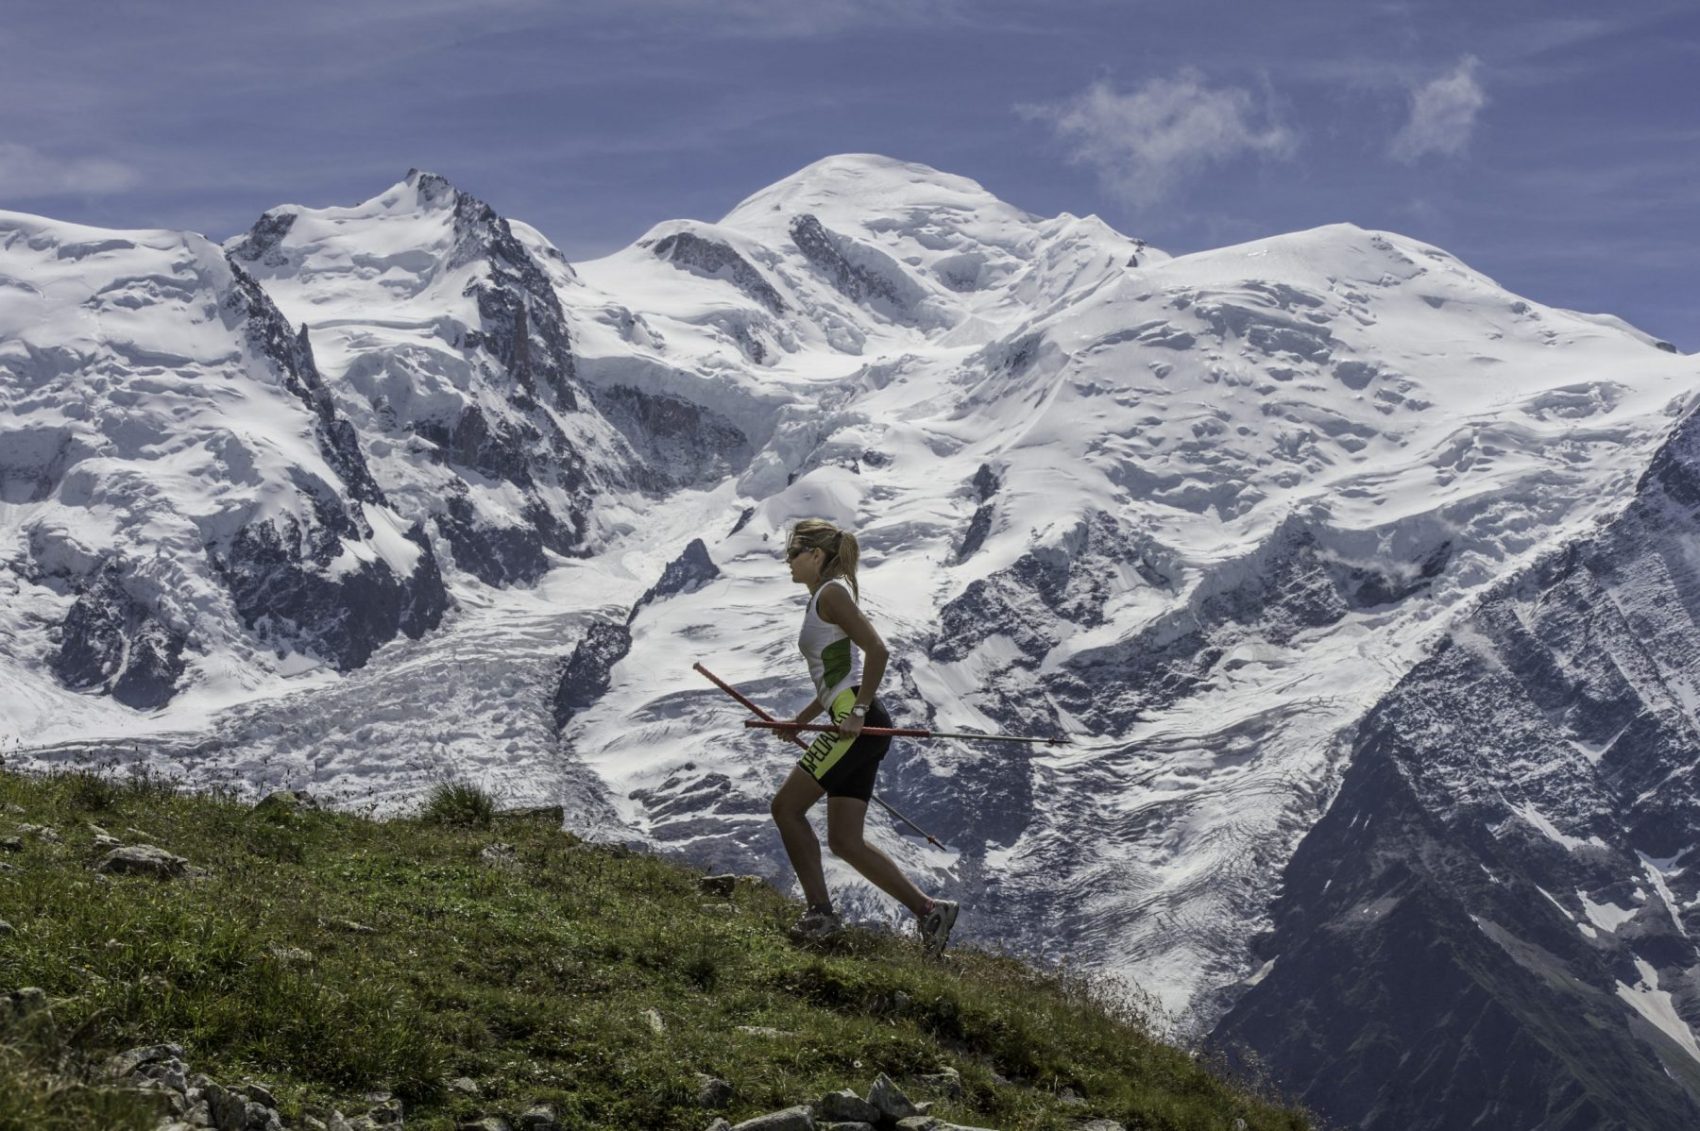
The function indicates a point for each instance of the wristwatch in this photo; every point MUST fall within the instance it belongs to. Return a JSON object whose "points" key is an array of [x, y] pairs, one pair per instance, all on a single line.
{"points": [[859, 710]]}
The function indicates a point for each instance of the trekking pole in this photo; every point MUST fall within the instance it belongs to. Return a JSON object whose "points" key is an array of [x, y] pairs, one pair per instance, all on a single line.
{"points": [[794, 737], [906, 732]]}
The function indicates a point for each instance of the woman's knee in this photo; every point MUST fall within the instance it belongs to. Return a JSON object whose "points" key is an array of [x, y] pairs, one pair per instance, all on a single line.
{"points": [[785, 812], [844, 845]]}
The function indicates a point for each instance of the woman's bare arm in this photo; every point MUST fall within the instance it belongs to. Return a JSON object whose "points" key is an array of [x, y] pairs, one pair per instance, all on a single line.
{"points": [[837, 607]]}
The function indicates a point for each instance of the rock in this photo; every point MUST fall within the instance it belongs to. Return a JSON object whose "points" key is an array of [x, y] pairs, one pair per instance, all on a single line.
{"points": [[919, 1123], [487, 1123], [40, 832], [886, 1096], [6, 929], [720, 1125], [1112, 1125], [386, 1109], [105, 842], [539, 1117], [1071, 1097], [19, 1004], [652, 1018], [548, 814], [764, 1031], [946, 1081], [465, 1085], [848, 1126], [288, 955], [718, 885], [791, 1119], [712, 1091], [143, 860], [125, 1063], [11, 844], [499, 855], [309, 1123], [286, 801], [847, 1107]]}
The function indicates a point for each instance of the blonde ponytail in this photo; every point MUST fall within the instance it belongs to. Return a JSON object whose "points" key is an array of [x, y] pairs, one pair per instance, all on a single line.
{"points": [[840, 546]]}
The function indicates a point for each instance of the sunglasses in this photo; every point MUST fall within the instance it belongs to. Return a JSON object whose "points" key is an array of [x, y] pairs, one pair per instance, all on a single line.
{"points": [[795, 550]]}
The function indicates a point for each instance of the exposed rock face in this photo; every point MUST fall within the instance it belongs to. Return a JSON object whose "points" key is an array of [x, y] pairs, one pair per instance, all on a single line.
{"points": [[859, 272], [679, 442], [112, 642], [1508, 864], [691, 252], [585, 675], [691, 570], [285, 580]]}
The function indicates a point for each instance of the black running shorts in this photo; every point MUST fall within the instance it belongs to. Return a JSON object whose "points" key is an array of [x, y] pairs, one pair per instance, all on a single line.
{"points": [[846, 767]]}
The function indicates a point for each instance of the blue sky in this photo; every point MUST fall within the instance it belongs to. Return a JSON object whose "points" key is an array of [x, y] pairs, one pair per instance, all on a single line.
{"points": [[1553, 145]]}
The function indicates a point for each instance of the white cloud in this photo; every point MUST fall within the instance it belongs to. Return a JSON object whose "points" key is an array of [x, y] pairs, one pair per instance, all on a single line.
{"points": [[27, 172], [1145, 143], [1443, 115]]}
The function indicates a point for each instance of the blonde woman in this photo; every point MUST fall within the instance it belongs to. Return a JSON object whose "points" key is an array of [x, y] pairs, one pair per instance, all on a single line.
{"points": [[841, 765]]}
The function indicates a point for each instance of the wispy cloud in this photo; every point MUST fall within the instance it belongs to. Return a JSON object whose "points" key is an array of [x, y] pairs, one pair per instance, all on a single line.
{"points": [[27, 172], [1145, 143], [1443, 115]]}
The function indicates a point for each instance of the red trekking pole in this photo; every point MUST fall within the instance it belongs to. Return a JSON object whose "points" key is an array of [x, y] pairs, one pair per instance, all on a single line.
{"points": [[794, 737]]}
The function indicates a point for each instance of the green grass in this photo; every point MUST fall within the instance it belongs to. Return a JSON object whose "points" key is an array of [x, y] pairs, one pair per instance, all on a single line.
{"points": [[328, 955]]}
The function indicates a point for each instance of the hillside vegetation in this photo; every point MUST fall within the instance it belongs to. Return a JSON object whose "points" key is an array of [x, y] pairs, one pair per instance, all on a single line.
{"points": [[475, 965]]}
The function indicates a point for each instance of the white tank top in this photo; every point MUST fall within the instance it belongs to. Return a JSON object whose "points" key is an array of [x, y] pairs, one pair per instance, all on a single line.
{"points": [[835, 663]]}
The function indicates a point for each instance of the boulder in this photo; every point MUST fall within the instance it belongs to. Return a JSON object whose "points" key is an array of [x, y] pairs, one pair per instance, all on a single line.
{"points": [[791, 1119], [143, 860], [847, 1107]]}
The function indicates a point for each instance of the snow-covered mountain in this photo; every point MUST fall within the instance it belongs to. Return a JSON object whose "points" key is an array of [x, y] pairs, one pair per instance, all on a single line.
{"points": [[1213, 516]]}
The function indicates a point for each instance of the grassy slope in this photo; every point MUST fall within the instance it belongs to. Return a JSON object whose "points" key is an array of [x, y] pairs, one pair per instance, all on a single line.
{"points": [[534, 980]]}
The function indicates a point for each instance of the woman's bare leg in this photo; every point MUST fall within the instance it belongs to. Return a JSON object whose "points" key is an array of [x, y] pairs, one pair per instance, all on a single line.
{"points": [[791, 813], [844, 820]]}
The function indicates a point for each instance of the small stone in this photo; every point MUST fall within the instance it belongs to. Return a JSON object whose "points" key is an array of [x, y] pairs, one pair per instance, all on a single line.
{"points": [[40, 832], [465, 1085], [712, 1091], [288, 955], [144, 860], [485, 1123], [11, 844], [846, 1106], [105, 842], [718, 885], [653, 1019], [539, 1117], [6, 929], [791, 1119], [1239, 1125], [720, 1125], [311, 1124], [259, 1117], [890, 1100], [286, 801], [919, 1123], [259, 1093], [228, 1111], [499, 856], [125, 1063], [19, 1004], [1107, 1125], [946, 1081], [763, 1031], [1071, 1097]]}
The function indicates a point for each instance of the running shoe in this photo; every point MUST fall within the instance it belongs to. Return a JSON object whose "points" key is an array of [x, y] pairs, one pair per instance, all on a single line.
{"points": [[935, 926], [816, 924]]}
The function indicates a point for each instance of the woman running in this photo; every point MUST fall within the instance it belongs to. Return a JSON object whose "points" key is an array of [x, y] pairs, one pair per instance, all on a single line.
{"points": [[842, 765]]}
